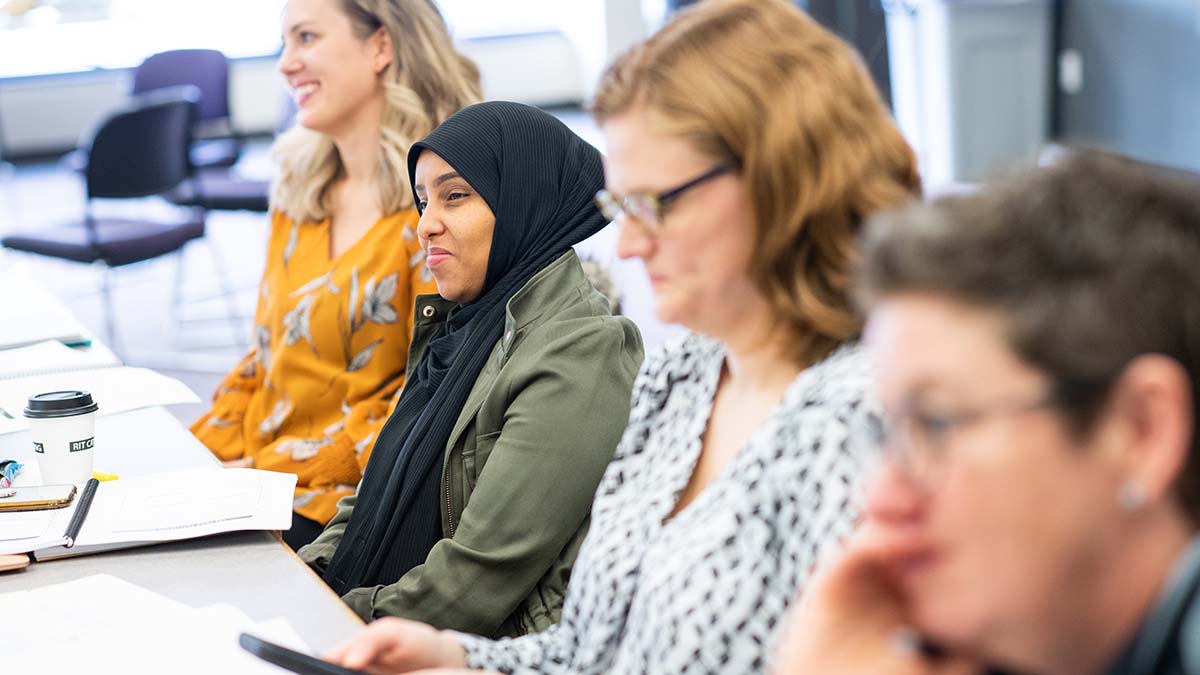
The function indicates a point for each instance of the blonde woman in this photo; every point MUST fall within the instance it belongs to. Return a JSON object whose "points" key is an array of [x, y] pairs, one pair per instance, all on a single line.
{"points": [[746, 145], [335, 310]]}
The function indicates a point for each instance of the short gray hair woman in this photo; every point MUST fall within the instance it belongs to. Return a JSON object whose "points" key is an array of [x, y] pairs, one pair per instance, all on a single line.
{"points": [[1039, 357]]}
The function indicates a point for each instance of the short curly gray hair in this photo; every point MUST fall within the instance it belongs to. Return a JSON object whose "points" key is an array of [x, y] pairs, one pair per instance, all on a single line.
{"points": [[1091, 262]]}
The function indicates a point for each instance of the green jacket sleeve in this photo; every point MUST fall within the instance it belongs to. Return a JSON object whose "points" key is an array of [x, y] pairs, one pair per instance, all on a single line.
{"points": [[568, 406], [318, 553]]}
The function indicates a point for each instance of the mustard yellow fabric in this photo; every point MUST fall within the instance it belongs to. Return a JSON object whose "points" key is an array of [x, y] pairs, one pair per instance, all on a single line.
{"points": [[330, 347]]}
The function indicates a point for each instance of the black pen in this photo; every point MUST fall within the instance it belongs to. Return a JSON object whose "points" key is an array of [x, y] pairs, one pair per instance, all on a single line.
{"points": [[81, 511]]}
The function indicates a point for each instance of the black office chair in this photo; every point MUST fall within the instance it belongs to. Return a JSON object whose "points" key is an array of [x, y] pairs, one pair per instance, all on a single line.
{"points": [[221, 190], [215, 145], [214, 142], [138, 151]]}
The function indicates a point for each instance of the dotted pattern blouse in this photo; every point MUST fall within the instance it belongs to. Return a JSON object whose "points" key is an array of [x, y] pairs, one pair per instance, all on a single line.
{"points": [[706, 591]]}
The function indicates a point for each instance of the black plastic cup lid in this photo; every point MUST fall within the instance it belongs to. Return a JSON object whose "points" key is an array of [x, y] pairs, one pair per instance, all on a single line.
{"points": [[60, 404]]}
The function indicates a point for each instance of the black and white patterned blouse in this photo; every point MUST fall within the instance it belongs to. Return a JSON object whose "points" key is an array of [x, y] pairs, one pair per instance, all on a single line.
{"points": [[705, 592]]}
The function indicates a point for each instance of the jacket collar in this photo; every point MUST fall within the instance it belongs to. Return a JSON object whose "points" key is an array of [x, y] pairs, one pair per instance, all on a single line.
{"points": [[543, 294], [535, 300]]}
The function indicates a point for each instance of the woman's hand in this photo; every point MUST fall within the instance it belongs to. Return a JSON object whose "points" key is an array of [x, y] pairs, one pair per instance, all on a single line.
{"points": [[393, 645], [852, 620]]}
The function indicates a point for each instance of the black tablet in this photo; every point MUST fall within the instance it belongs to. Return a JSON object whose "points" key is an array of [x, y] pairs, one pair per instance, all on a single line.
{"points": [[291, 659]]}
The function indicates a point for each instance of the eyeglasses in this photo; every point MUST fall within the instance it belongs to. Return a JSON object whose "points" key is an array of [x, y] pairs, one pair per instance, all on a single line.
{"points": [[648, 209], [917, 440]]}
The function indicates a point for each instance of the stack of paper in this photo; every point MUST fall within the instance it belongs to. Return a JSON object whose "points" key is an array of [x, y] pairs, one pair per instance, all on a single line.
{"points": [[101, 624], [52, 357], [157, 507], [31, 314], [115, 389], [33, 328]]}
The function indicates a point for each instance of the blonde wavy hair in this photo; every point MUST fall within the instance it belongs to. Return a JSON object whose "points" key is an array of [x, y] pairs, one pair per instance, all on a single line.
{"points": [[427, 81], [759, 84]]}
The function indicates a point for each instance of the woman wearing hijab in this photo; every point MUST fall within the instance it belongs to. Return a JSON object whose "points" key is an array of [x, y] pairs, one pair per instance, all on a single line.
{"points": [[476, 497]]}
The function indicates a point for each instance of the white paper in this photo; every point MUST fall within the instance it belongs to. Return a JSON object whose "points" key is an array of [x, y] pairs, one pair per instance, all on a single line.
{"points": [[166, 507], [199, 642], [61, 616], [23, 525], [50, 357], [32, 314], [101, 624], [115, 390], [19, 331]]}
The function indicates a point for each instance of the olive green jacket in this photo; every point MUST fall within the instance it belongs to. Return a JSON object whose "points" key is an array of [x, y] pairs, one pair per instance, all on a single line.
{"points": [[522, 462]]}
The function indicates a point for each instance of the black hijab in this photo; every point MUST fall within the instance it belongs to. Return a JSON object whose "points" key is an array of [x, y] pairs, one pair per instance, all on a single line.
{"points": [[539, 178]]}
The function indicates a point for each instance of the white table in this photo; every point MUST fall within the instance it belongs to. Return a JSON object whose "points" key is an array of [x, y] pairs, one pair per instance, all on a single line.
{"points": [[253, 571]]}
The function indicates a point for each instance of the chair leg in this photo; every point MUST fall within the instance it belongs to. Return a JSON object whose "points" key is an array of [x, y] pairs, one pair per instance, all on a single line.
{"points": [[177, 298], [227, 290], [110, 323]]}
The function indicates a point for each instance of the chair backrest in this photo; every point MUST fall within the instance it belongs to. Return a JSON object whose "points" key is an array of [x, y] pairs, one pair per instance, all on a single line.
{"points": [[205, 69], [142, 149]]}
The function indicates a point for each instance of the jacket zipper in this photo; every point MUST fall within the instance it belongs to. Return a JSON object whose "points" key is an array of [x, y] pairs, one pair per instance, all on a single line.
{"points": [[449, 506]]}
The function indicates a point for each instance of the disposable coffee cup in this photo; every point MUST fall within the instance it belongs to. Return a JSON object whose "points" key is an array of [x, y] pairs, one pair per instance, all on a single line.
{"points": [[63, 426]]}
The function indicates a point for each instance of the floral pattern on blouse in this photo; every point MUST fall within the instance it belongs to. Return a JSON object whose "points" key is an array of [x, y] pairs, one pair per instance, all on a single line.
{"points": [[330, 346]]}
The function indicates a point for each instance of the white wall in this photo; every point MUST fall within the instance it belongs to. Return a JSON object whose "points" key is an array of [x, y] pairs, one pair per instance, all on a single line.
{"points": [[971, 84], [49, 114], [1138, 91]]}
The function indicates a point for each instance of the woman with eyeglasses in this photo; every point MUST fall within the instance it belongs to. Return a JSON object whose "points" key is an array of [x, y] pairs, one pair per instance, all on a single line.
{"points": [[1039, 364], [745, 146]]}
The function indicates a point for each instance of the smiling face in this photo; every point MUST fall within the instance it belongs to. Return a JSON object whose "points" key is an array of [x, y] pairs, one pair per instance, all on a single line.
{"points": [[456, 229], [698, 262], [1009, 529], [333, 73]]}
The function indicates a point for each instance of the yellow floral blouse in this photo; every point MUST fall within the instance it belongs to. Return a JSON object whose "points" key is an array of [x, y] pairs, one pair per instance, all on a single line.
{"points": [[330, 346]]}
